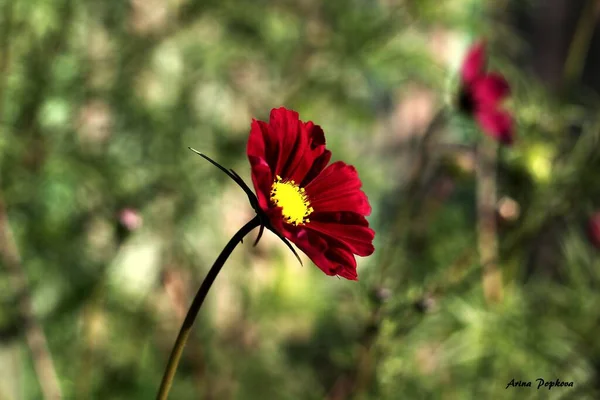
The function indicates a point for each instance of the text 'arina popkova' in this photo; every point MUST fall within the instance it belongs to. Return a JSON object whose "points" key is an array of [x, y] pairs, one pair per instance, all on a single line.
{"points": [[540, 383]]}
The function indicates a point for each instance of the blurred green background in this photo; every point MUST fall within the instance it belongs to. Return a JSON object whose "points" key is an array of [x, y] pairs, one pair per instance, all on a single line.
{"points": [[108, 224]]}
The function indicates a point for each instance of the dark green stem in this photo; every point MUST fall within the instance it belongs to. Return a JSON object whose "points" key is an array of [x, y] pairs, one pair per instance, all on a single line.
{"points": [[186, 327]]}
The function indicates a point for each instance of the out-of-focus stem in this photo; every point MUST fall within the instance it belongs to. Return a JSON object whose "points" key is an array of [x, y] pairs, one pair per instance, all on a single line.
{"points": [[364, 373], [34, 334], [580, 44], [486, 220], [87, 359]]}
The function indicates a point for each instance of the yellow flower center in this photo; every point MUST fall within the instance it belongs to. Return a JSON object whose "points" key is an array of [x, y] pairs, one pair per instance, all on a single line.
{"points": [[293, 201]]}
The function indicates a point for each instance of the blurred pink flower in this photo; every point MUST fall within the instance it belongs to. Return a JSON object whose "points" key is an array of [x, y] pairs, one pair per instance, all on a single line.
{"points": [[594, 229], [481, 94], [130, 219]]}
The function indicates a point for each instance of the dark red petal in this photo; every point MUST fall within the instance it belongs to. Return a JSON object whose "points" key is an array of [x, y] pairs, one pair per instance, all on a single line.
{"points": [[337, 188], [286, 129], [262, 143], [497, 124], [310, 148], [489, 90], [299, 144], [331, 259], [346, 263], [262, 178], [347, 229], [317, 166], [348, 273], [474, 63], [262, 152]]}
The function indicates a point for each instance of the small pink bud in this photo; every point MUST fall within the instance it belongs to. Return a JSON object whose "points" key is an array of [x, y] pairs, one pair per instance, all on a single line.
{"points": [[130, 219]]}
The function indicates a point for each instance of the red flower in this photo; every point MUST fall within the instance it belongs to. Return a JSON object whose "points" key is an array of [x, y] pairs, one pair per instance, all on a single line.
{"points": [[594, 229], [318, 207], [481, 94]]}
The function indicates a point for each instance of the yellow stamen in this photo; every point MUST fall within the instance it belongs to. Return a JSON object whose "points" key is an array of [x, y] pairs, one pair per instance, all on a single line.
{"points": [[293, 201]]}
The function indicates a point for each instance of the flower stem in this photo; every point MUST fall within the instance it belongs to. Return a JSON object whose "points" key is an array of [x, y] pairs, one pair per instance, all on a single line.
{"points": [[186, 327], [486, 218]]}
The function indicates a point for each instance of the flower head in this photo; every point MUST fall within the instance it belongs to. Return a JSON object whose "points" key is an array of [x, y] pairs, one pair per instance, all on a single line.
{"points": [[318, 207], [594, 229], [481, 94]]}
